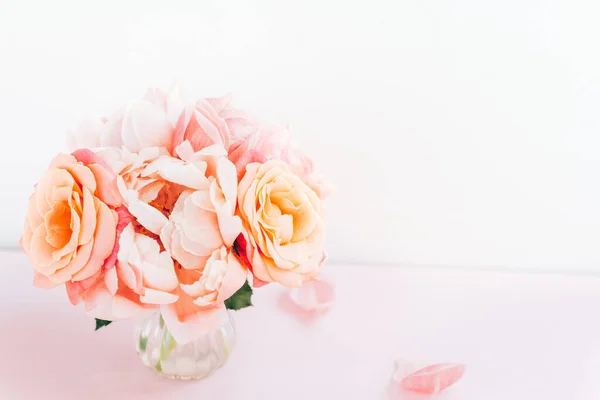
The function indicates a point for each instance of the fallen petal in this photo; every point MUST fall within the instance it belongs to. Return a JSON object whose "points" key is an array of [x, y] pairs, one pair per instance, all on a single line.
{"points": [[41, 281], [428, 380]]}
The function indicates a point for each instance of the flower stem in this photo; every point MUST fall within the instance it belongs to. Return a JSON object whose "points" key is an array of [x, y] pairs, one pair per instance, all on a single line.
{"points": [[168, 344], [226, 346]]}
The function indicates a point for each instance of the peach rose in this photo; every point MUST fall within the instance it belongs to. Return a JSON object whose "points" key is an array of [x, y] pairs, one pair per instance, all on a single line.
{"points": [[71, 224], [202, 294], [283, 219]]}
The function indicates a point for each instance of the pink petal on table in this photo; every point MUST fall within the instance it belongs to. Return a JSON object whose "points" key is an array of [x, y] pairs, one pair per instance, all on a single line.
{"points": [[315, 295], [429, 380]]}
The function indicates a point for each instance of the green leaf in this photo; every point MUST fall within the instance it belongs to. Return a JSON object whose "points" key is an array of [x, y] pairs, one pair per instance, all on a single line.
{"points": [[100, 323], [240, 299]]}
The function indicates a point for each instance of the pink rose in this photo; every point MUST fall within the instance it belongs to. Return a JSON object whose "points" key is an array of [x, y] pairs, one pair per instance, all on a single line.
{"points": [[283, 220], [202, 293], [213, 121], [275, 143], [201, 126], [71, 224], [266, 143], [239, 123]]}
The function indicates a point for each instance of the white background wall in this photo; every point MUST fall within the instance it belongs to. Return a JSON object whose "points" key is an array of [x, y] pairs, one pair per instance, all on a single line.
{"points": [[459, 132]]}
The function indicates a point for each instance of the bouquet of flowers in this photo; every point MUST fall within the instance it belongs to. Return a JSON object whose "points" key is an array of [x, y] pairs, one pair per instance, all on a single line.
{"points": [[177, 207]]}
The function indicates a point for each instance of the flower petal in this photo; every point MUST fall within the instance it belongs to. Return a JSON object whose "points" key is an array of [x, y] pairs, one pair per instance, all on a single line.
{"points": [[103, 305], [229, 225], [235, 277], [148, 216], [111, 280], [88, 218], [42, 281], [203, 321], [87, 135], [104, 241], [76, 291], [145, 125], [160, 275], [152, 296], [78, 262], [428, 380], [185, 151], [107, 185], [190, 175]]}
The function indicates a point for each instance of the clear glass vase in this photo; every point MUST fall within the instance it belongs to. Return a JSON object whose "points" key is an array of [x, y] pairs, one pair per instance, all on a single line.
{"points": [[195, 360]]}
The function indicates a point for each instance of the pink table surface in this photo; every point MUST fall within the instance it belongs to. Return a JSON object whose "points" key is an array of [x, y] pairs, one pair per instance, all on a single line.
{"points": [[522, 335]]}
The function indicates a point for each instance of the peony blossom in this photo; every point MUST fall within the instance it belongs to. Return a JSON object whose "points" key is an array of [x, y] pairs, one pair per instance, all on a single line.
{"points": [[203, 218], [200, 308], [222, 276], [106, 297], [145, 123], [146, 269], [140, 189], [283, 220], [130, 167], [143, 278]]}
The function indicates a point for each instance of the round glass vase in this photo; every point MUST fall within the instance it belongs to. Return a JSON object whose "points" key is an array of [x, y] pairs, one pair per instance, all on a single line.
{"points": [[195, 360]]}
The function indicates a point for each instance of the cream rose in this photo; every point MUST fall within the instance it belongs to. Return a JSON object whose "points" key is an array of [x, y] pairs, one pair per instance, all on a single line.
{"points": [[283, 218]]}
